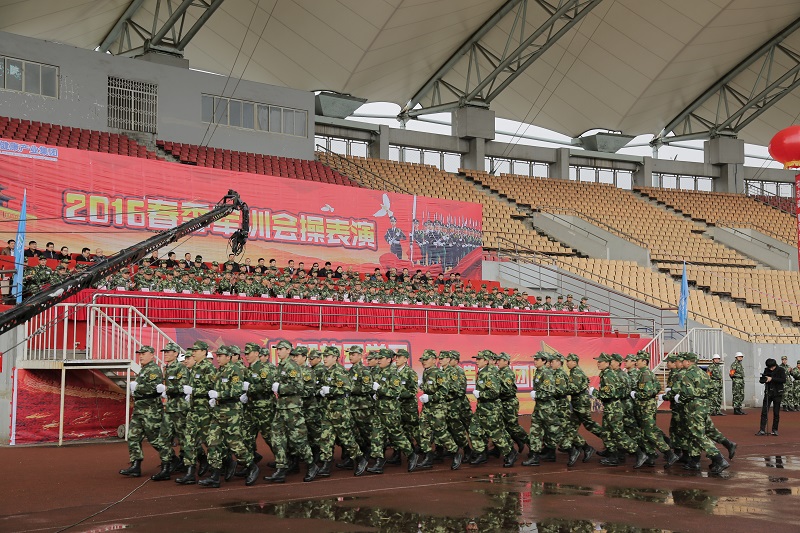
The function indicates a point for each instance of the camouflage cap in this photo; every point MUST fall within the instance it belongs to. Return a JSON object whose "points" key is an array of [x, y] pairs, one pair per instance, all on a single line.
{"points": [[557, 357], [690, 356], [672, 358], [455, 354], [372, 354], [171, 347], [147, 271], [332, 350], [544, 356], [61, 267], [146, 349], [124, 271], [444, 354], [385, 353], [603, 358], [355, 349], [283, 344], [482, 355], [264, 351], [313, 353], [252, 347], [199, 345], [222, 350], [299, 350], [616, 357], [573, 357], [503, 356], [427, 354], [234, 350], [641, 355], [631, 357], [402, 352]]}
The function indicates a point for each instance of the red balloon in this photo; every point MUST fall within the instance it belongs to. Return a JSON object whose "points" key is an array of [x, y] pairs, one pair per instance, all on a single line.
{"points": [[785, 147]]}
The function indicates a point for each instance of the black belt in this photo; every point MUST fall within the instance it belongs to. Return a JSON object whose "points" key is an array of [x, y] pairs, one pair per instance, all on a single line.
{"points": [[228, 400], [609, 400], [175, 394], [147, 396]]}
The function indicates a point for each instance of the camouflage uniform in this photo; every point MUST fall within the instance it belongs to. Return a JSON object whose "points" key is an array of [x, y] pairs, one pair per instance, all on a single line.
{"points": [[455, 393], [409, 407], [361, 404], [794, 392], [198, 421], [715, 394], [677, 435], [225, 432], [259, 410], [646, 407], [545, 422], [487, 423], [176, 376], [433, 420], [737, 384], [312, 408], [336, 422], [509, 403], [577, 388], [147, 413], [289, 425], [462, 404], [613, 388], [389, 430], [630, 378], [561, 402]]}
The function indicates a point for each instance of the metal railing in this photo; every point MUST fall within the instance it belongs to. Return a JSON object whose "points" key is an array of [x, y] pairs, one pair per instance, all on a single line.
{"points": [[362, 176], [240, 312], [554, 210], [53, 335], [731, 225], [656, 350]]}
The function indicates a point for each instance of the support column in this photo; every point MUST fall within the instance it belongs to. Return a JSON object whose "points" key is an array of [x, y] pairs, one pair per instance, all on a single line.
{"points": [[475, 124], [728, 154], [379, 147], [475, 159], [560, 169], [643, 175]]}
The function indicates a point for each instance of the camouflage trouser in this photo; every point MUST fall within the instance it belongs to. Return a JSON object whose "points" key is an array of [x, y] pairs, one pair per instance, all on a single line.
{"points": [[173, 426], [629, 420], [433, 427], [389, 430], [715, 400], [336, 424], [545, 426], [737, 392], [363, 419], [289, 432], [146, 424], [677, 434], [258, 416], [225, 435], [794, 394], [695, 414], [616, 438], [652, 439], [509, 410], [581, 414], [313, 412], [465, 412], [409, 418], [713, 433], [455, 423], [487, 423]]}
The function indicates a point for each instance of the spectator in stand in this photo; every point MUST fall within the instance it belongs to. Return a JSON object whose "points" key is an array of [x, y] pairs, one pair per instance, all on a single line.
{"points": [[50, 251], [301, 267], [339, 274], [247, 268], [33, 250], [187, 261], [171, 261], [99, 255], [153, 260], [198, 265], [9, 250], [232, 262], [85, 256], [289, 268], [64, 254]]}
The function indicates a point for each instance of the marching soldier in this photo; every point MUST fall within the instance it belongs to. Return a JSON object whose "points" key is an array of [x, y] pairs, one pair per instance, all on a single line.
{"points": [[361, 403], [456, 392], [259, 404], [737, 384], [544, 418], [787, 405], [147, 415], [581, 414], [433, 421], [487, 423], [409, 408], [645, 408], [198, 421], [715, 375], [509, 402], [176, 375]]}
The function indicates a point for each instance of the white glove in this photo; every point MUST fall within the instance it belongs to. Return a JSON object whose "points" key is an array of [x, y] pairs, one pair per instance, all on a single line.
{"points": [[188, 397], [325, 390], [660, 397], [424, 398], [633, 394], [591, 391], [476, 393], [187, 390], [275, 387], [419, 381], [212, 402], [161, 387], [533, 395], [213, 394], [677, 398], [245, 385], [133, 386], [164, 395], [243, 398], [374, 396], [375, 385], [667, 390]]}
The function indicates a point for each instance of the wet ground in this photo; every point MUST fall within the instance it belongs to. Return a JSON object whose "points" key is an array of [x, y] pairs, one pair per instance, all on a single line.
{"points": [[77, 489]]}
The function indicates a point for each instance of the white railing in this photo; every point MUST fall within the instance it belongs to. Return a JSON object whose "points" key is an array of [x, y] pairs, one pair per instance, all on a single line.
{"points": [[53, 335], [117, 331], [705, 342], [656, 350]]}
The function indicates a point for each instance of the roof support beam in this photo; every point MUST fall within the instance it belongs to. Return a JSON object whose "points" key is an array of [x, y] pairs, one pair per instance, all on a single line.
{"points": [[724, 109], [171, 37], [476, 74]]}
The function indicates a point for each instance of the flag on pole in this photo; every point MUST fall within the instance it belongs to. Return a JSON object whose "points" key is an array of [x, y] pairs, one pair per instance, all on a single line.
{"points": [[19, 248], [683, 304]]}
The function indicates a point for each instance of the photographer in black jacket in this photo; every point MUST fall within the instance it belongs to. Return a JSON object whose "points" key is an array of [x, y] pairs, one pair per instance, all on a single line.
{"points": [[773, 379]]}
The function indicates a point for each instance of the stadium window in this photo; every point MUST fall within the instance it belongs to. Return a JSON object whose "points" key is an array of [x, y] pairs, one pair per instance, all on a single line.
{"points": [[28, 77], [248, 114], [300, 123], [275, 120], [623, 179], [452, 162], [263, 117], [221, 111], [253, 116], [288, 121], [606, 176], [207, 109], [235, 116], [132, 105]]}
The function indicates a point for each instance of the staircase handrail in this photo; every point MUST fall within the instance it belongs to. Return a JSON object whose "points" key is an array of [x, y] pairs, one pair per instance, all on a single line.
{"points": [[387, 185]]}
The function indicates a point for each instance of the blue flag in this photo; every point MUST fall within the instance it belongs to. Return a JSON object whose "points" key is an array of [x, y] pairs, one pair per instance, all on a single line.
{"points": [[683, 304], [19, 248]]}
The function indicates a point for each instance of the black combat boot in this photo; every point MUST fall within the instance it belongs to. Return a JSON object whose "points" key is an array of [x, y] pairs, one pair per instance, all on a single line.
{"points": [[212, 480], [202, 461], [520, 445], [494, 452], [230, 468], [311, 473], [549, 455], [257, 457], [361, 466], [510, 458], [574, 453], [731, 446], [252, 474], [278, 477], [693, 463], [427, 462], [394, 459], [294, 465], [377, 468], [480, 458], [346, 464], [588, 452], [611, 459], [467, 454], [190, 478], [718, 464], [413, 461], [641, 458], [602, 453], [325, 469], [532, 460], [163, 474], [457, 458], [135, 470], [670, 457], [176, 464]]}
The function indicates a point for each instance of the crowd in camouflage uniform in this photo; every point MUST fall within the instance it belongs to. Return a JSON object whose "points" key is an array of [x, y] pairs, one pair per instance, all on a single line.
{"points": [[308, 403]]}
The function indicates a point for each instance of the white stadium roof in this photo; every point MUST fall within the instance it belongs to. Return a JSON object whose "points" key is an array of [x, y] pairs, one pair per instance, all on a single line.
{"points": [[627, 65]]}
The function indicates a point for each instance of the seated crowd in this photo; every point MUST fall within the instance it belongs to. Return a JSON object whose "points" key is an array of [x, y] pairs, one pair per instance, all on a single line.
{"points": [[265, 279]]}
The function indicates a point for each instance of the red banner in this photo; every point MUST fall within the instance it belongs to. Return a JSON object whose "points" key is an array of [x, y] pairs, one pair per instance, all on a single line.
{"points": [[82, 199], [797, 211]]}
